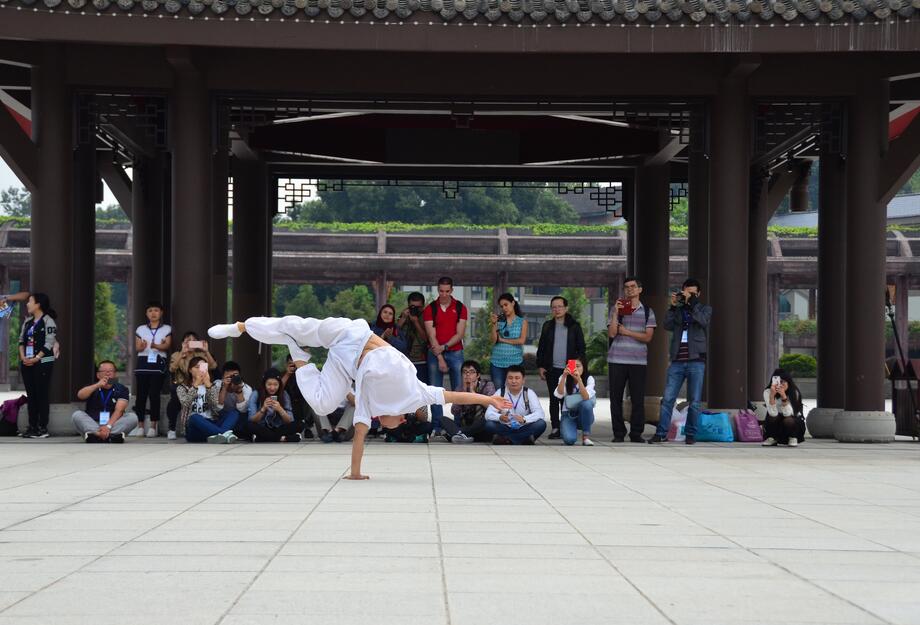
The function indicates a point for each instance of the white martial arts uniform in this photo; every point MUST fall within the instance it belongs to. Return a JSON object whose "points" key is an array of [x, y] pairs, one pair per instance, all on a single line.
{"points": [[385, 382]]}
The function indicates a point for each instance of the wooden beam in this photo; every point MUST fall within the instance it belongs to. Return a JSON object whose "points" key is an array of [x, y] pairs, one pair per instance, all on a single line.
{"points": [[779, 188], [118, 181], [17, 149], [900, 163]]}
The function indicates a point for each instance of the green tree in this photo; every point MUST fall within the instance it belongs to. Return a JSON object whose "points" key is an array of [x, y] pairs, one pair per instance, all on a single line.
{"points": [[479, 347], [679, 213], [16, 202], [305, 303], [112, 212], [578, 303], [354, 303], [104, 343], [912, 185]]}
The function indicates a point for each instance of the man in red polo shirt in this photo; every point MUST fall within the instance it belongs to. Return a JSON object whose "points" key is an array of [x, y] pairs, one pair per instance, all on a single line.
{"points": [[445, 322]]}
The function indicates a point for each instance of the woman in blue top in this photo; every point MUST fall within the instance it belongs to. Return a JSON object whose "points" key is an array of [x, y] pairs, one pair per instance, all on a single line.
{"points": [[385, 327], [509, 333], [271, 417]]}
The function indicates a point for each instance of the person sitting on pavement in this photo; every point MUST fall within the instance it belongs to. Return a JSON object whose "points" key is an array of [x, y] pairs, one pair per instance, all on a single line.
{"points": [[200, 408], [271, 417], [469, 421], [785, 422], [233, 395], [105, 419], [524, 421], [415, 429], [576, 390]]}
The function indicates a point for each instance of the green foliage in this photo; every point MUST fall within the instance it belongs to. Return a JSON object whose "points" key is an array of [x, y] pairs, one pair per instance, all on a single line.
{"points": [[596, 351], [541, 229], [912, 185], [479, 347], [798, 327], [680, 213], [354, 303], [106, 347], [578, 304], [799, 365], [15, 202], [111, 214], [305, 303], [15, 322]]}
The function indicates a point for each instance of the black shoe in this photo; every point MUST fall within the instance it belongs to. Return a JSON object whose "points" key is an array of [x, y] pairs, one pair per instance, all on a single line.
{"points": [[656, 439], [92, 437], [336, 436], [308, 434], [29, 433], [555, 434], [636, 438], [500, 440], [116, 438], [42, 433], [528, 441], [292, 438], [690, 441], [618, 439]]}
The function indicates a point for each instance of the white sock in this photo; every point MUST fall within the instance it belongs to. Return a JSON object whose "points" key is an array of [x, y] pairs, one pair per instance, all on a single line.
{"points": [[224, 331], [298, 354]]}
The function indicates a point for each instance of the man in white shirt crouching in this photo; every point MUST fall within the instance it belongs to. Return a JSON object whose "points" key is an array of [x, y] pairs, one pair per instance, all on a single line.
{"points": [[524, 422]]}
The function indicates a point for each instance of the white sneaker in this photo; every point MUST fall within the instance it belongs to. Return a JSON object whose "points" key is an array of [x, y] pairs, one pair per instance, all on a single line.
{"points": [[224, 331], [460, 437], [587, 442], [793, 442], [769, 442], [171, 435], [138, 431], [151, 433]]}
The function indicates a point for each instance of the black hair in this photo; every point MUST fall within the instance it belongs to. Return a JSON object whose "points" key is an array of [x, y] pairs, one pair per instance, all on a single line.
{"points": [[446, 280], [472, 364], [692, 282], [106, 362], [381, 324], [792, 392], [154, 304], [44, 302], [415, 296], [508, 297], [192, 364], [190, 334], [230, 366], [516, 369], [633, 279], [565, 302], [271, 374], [570, 386]]}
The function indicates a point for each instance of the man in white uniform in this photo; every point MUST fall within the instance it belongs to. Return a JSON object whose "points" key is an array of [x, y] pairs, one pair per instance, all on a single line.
{"points": [[385, 383]]}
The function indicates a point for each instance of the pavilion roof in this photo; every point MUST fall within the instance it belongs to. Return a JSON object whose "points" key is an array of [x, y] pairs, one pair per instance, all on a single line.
{"points": [[665, 13]]}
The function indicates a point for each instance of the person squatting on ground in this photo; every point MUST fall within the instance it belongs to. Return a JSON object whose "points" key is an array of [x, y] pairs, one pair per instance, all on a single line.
{"points": [[576, 390], [385, 385], [785, 422]]}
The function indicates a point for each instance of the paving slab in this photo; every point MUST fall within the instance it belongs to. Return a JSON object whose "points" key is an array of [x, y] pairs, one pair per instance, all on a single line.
{"points": [[459, 535]]}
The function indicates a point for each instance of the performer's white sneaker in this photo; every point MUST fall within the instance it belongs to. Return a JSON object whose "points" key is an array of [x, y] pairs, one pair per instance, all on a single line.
{"points": [[224, 331]]}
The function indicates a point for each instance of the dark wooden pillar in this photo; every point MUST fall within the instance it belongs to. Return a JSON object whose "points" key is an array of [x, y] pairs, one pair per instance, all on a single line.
{"points": [[728, 227], [864, 419], [773, 334], [757, 300], [698, 216], [192, 237], [52, 203], [219, 313], [252, 266], [81, 341], [651, 225], [629, 213]]}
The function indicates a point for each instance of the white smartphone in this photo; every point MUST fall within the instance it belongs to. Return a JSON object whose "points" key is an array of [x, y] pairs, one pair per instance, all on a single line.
{"points": [[777, 380]]}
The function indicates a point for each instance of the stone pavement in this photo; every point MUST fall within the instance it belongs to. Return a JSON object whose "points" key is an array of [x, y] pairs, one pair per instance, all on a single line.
{"points": [[151, 533]]}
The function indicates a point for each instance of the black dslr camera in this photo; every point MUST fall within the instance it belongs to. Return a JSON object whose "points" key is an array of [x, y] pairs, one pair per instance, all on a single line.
{"points": [[415, 311], [236, 379]]}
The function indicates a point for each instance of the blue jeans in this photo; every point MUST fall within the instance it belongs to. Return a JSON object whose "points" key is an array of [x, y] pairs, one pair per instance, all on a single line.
{"points": [[581, 419], [693, 373], [498, 375], [199, 427], [436, 378], [519, 435], [421, 371]]}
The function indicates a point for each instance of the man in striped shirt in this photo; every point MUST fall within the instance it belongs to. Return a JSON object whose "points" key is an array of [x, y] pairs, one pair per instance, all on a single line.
{"points": [[630, 330]]}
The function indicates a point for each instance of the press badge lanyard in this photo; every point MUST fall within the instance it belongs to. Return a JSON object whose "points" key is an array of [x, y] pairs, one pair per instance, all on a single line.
{"points": [[104, 413], [151, 353], [514, 404], [30, 342]]}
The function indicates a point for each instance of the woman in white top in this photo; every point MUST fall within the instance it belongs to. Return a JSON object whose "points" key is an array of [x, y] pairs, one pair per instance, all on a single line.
{"points": [[785, 422], [576, 390], [384, 380], [152, 341]]}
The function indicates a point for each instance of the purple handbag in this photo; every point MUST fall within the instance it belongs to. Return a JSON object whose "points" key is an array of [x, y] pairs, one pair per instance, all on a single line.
{"points": [[747, 427]]}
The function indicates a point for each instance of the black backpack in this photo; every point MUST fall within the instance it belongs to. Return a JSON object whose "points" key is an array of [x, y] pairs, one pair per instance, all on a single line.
{"points": [[434, 312], [526, 394]]}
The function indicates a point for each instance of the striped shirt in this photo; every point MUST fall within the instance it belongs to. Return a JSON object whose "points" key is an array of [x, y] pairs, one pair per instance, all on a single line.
{"points": [[625, 350]]}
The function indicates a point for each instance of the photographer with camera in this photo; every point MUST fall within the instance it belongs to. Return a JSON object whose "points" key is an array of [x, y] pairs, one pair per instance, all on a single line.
{"points": [[688, 322], [233, 395], [412, 326]]}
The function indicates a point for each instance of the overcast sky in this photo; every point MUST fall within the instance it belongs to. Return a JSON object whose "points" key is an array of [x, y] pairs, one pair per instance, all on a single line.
{"points": [[8, 179]]}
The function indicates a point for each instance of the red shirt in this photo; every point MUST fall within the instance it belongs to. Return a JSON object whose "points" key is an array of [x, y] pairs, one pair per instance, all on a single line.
{"points": [[445, 326]]}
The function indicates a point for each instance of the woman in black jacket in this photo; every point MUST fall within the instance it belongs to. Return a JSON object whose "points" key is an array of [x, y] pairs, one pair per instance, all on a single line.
{"points": [[554, 350], [36, 358]]}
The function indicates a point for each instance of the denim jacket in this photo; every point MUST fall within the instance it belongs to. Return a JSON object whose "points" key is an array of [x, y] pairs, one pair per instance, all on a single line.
{"points": [[697, 334]]}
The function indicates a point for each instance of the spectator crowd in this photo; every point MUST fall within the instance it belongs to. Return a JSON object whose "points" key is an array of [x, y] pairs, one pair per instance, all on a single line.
{"points": [[211, 402]]}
